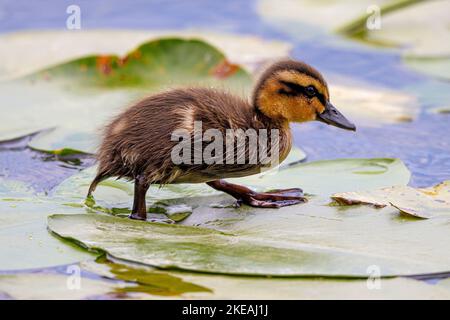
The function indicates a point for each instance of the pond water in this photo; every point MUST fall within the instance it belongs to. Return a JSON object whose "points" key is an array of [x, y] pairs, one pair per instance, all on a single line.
{"points": [[423, 144]]}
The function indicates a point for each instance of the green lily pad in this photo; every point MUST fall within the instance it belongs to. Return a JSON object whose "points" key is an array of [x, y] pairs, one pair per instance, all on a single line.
{"points": [[327, 16], [328, 176], [314, 289], [79, 96], [56, 140], [151, 281], [419, 27], [32, 286], [156, 63], [298, 240], [61, 46], [201, 286], [421, 203], [205, 250], [49, 286], [25, 239]]}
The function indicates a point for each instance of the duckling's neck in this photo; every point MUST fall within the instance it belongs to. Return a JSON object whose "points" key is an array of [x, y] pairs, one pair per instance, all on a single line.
{"points": [[284, 132], [270, 122]]}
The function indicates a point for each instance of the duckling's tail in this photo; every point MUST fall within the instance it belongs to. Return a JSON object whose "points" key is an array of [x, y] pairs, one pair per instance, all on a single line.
{"points": [[99, 178]]}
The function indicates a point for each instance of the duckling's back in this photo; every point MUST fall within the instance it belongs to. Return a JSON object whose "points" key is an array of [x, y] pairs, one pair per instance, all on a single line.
{"points": [[139, 140]]}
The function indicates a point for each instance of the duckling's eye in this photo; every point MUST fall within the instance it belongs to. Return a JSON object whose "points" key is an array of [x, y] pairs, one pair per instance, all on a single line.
{"points": [[310, 91]]}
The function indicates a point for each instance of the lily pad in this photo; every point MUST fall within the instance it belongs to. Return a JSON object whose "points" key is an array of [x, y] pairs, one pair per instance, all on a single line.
{"points": [[25, 241], [57, 140], [205, 250], [162, 62], [420, 28], [402, 22], [61, 46], [194, 286], [366, 104], [152, 281], [24, 238], [82, 94], [417, 28], [298, 240], [328, 16], [226, 287], [49, 286], [421, 203], [328, 176]]}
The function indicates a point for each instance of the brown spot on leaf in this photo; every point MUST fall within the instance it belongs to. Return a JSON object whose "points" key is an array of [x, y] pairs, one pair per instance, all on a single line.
{"points": [[136, 54], [224, 69], [122, 61], [103, 64]]}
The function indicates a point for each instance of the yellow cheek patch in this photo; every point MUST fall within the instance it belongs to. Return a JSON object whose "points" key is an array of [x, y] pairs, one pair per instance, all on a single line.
{"points": [[269, 100], [317, 105]]}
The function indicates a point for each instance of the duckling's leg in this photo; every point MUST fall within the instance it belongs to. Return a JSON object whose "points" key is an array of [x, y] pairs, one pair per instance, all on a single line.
{"points": [[139, 211], [273, 199]]}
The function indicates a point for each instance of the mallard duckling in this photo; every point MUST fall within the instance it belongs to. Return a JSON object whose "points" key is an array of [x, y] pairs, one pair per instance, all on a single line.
{"points": [[138, 144]]}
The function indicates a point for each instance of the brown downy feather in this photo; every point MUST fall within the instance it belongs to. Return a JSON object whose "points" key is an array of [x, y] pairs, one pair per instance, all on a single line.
{"points": [[138, 141]]}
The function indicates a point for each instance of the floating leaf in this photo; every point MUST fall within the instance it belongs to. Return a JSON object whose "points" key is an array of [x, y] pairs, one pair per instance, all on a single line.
{"points": [[81, 95], [42, 286], [421, 203], [304, 239], [206, 250], [25, 241], [358, 27], [366, 104], [420, 29], [151, 281], [226, 287], [328, 16], [156, 63], [56, 141], [326, 177], [61, 46]]}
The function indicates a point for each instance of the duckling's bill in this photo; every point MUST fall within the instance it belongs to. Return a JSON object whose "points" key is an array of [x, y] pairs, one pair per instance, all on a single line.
{"points": [[333, 117]]}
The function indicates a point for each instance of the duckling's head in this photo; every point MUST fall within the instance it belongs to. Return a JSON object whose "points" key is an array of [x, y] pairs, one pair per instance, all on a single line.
{"points": [[296, 92]]}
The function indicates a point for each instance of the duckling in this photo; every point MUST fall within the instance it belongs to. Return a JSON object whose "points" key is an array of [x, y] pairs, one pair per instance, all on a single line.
{"points": [[138, 144]]}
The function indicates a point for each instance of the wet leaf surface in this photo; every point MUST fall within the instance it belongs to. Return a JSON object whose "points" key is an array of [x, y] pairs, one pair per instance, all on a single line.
{"points": [[226, 287], [298, 240]]}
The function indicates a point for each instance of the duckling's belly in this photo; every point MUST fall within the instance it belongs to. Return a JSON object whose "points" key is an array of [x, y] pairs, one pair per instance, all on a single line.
{"points": [[204, 173], [216, 172]]}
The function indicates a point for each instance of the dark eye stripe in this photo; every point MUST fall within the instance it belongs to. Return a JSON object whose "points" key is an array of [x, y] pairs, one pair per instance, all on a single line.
{"points": [[299, 89]]}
